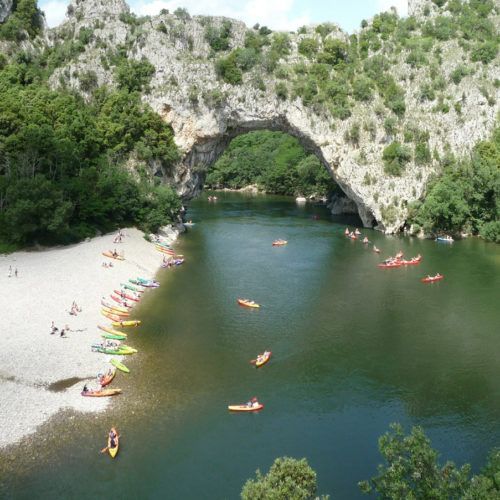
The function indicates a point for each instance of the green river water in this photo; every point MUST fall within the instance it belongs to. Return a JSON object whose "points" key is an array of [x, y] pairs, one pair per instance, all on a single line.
{"points": [[354, 347]]}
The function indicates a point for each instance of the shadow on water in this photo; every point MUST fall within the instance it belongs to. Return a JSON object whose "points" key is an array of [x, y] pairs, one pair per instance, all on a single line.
{"points": [[354, 348]]}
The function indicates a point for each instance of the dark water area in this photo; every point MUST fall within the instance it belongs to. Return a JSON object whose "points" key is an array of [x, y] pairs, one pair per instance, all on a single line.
{"points": [[354, 347]]}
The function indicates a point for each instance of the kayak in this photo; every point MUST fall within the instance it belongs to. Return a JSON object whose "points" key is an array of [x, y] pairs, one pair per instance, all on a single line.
{"points": [[113, 336], [113, 451], [391, 265], [111, 256], [168, 251], [118, 351], [444, 240], [107, 378], [125, 295], [279, 243], [147, 283], [110, 310], [122, 302], [121, 310], [112, 317], [101, 393], [245, 407], [262, 360], [432, 279], [110, 330], [247, 303], [119, 365], [411, 262], [137, 289], [131, 322]]}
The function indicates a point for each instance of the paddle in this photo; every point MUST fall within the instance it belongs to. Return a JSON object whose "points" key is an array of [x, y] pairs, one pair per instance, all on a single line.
{"points": [[253, 361], [104, 450]]}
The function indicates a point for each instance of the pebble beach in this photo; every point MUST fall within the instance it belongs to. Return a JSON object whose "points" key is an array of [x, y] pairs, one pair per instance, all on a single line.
{"points": [[34, 362]]}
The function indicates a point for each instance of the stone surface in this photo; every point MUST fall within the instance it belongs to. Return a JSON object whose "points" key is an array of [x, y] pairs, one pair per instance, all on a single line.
{"points": [[206, 113], [5, 9]]}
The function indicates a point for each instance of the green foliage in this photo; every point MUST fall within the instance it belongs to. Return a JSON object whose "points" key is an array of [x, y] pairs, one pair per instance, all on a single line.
{"points": [[485, 52], [182, 14], [274, 161], [218, 38], [362, 89], [287, 478], [467, 196], [26, 18], [334, 52], [281, 44], [308, 47], [227, 68], [395, 157], [281, 90], [133, 75], [458, 73], [61, 174]]}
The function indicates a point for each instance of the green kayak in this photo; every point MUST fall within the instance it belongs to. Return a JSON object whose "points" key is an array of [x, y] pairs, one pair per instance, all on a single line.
{"points": [[130, 287], [113, 336], [119, 365]]}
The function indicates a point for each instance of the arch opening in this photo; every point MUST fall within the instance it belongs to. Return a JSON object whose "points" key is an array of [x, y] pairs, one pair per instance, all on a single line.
{"points": [[205, 151]]}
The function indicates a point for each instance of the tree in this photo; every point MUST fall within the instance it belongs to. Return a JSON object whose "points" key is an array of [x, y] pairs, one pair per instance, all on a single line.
{"points": [[395, 156], [287, 478]]}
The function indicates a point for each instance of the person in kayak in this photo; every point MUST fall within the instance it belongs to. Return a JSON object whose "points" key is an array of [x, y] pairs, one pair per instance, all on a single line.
{"points": [[365, 240], [346, 232], [112, 438], [85, 388]]}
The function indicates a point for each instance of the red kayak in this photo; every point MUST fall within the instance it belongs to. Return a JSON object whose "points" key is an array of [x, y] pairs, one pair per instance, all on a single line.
{"points": [[120, 301], [432, 279], [390, 265], [124, 295], [412, 262]]}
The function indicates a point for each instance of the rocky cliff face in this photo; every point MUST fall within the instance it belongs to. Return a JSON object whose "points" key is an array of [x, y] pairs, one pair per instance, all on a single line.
{"points": [[207, 113], [5, 9]]}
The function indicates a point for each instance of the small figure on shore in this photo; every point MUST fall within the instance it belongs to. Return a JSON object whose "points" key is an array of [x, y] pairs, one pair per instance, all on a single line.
{"points": [[85, 388], [10, 272], [62, 333], [53, 328], [15, 272]]}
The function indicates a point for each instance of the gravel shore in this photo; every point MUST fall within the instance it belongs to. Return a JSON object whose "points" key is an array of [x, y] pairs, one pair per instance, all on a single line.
{"points": [[31, 359]]}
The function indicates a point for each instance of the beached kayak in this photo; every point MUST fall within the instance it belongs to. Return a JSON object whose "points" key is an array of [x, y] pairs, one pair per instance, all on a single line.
{"points": [[119, 365], [113, 336], [110, 310], [101, 393], [262, 359], [125, 295], [137, 288], [164, 250], [112, 317], [111, 256], [120, 310], [113, 450], [432, 279], [148, 283], [131, 322], [245, 407], [110, 330], [107, 378], [247, 303]]}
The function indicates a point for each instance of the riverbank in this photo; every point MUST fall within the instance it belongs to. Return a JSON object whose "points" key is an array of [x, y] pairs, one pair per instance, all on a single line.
{"points": [[42, 373]]}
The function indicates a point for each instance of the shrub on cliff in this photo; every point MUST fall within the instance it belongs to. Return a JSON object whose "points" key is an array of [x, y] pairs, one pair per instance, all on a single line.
{"points": [[395, 157]]}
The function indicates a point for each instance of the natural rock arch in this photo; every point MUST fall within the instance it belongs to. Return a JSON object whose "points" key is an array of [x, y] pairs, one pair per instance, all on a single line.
{"points": [[206, 113]]}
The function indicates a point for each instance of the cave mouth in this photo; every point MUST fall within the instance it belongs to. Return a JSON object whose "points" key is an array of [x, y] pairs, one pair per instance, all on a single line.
{"points": [[275, 161]]}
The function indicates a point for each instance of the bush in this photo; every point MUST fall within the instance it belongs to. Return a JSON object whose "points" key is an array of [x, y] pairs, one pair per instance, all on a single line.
{"points": [[133, 75], [458, 73], [485, 52], [308, 47], [182, 14], [218, 38], [281, 91], [422, 153], [362, 89], [395, 157], [228, 70]]}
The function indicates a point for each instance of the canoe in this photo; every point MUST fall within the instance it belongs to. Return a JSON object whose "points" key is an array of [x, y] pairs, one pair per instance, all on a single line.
{"points": [[245, 407], [113, 451], [112, 317], [247, 303], [110, 330], [111, 310], [189, 224], [120, 310], [444, 240], [119, 365], [111, 256], [107, 378], [101, 393], [125, 295], [137, 289], [412, 262], [130, 322], [432, 279], [167, 251], [147, 283], [263, 360], [122, 302], [279, 243]]}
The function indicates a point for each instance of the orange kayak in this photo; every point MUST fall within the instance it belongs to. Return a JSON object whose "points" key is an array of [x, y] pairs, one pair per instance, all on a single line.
{"points": [[262, 359], [112, 317], [110, 310], [431, 279], [111, 256], [102, 393], [107, 378], [247, 303]]}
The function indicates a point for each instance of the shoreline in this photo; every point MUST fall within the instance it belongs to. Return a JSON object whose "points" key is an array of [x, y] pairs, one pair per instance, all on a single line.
{"points": [[33, 363]]}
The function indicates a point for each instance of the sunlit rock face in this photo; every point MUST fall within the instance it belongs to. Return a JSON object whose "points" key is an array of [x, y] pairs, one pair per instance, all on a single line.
{"points": [[206, 113], [5, 9]]}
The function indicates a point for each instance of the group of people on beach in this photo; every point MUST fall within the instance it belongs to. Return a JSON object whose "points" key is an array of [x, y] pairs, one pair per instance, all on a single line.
{"points": [[10, 272], [75, 309], [118, 238], [62, 333], [107, 264]]}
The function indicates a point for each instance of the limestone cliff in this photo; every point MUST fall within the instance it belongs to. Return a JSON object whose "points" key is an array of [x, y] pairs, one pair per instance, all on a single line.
{"points": [[206, 112], [5, 9]]}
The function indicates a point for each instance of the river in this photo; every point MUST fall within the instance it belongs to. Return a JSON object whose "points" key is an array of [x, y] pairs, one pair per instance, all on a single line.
{"points": [[354, 347]]}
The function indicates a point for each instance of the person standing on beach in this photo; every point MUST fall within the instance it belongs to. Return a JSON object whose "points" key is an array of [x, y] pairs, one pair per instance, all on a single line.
{"points": [[15, 273], [10, 271]]}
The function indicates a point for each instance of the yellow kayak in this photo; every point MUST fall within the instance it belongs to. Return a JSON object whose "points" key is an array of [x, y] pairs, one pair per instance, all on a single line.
{"points": [[111, 330], [133, 322], [247, 303], [110, 310], [111, 316], [111, 256], [113, 450], [256, 407]]}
